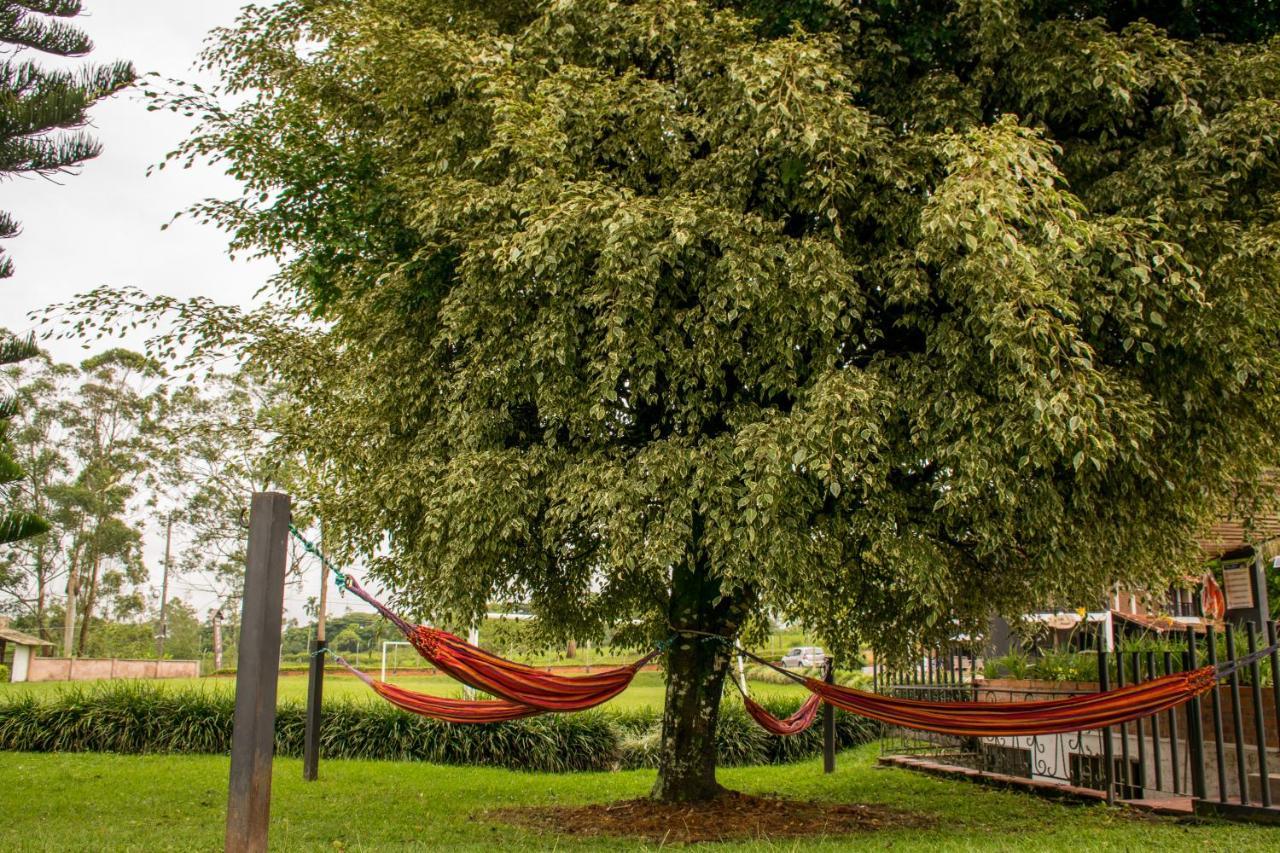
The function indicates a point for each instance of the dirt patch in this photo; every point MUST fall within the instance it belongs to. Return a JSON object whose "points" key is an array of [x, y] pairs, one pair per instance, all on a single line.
{"points": [[729, 817]]}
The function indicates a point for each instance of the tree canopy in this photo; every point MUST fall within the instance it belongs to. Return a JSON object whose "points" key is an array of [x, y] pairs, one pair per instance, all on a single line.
{"points": [[881, 316]]}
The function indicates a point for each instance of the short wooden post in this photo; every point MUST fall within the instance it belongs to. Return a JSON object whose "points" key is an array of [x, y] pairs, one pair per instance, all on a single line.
{"points": [[829, 722], [315, 687], [257, 671]]}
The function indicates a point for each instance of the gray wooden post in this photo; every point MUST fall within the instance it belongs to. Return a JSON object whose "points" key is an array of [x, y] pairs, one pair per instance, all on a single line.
{"points": [[829, 722], [257, 670]]}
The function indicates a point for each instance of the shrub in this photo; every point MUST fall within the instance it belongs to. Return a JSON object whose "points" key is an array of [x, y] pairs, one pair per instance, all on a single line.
{"points": [[4, 673], [142, 718]]}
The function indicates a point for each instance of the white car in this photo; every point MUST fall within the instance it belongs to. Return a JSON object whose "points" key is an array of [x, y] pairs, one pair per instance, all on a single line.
{"points": [[804, 657]]}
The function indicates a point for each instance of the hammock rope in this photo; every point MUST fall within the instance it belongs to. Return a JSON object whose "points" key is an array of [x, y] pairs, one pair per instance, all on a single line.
{"points": [[523, 690]]}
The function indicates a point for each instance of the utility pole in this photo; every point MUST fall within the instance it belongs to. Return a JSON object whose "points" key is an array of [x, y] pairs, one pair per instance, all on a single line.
{"points": [[164, 591], [217, 640]]}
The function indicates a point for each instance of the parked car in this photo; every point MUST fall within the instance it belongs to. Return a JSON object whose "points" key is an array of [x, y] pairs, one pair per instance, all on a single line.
{"points": [[803, 657]]}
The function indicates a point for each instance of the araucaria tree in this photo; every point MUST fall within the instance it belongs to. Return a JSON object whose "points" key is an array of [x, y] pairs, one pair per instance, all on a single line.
{"points": [[881, 316], [40, 107]]}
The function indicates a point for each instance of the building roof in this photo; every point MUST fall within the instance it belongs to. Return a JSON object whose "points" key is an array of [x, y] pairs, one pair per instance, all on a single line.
{"points": [[12, 635], [1232, 537]]}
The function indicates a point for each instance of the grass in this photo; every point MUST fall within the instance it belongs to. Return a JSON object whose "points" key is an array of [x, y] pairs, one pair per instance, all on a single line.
{"points": [[647, 690], [110, 802]]}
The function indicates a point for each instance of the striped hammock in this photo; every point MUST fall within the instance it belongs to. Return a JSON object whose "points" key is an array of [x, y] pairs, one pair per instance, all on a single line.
{"points": [[523, 691]]}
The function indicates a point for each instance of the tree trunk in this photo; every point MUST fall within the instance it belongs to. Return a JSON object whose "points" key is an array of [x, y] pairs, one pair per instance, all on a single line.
{"points": [[42, 583], [69, 618], [89, 603], [696, 667]]}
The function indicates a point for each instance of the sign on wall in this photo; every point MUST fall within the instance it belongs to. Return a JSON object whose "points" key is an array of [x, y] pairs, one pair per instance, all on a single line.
{"points": [[1238, 587]]}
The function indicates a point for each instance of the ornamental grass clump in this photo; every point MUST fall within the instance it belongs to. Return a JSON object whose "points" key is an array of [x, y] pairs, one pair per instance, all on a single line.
{"points": [[138, 718]]}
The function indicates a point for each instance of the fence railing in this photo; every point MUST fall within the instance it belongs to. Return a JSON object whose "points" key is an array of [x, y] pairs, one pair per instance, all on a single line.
{"points": [[1223, 747]]}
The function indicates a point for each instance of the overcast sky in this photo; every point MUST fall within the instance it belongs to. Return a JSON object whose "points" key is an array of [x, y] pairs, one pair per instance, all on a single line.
{"points": [[102, 225]]}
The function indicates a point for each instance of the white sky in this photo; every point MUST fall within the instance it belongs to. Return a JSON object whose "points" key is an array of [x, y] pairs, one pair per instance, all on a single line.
{"points": [[102, 226]]}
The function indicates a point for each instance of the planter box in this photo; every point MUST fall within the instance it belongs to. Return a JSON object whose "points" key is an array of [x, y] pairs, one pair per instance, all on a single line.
{"points": [[1029, 689]]}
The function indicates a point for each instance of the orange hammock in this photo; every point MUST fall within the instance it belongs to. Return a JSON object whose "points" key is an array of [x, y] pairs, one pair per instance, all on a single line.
{"points": [[442, 708], [1006, 719], [793, 725], [524, 691]]}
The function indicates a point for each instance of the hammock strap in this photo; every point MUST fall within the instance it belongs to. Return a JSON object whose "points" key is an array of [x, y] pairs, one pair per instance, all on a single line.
{"points": [[409, 630], [1228, 668], [796, 677]]}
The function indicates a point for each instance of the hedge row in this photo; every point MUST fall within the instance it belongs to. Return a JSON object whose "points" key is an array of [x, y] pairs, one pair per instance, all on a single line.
{"points": [[140, 718]]}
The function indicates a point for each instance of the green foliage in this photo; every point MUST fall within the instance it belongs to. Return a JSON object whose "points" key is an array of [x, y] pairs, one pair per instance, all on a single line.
{"points": [[4, 673], [878, 317], [904, 338], [1016, 664], [142, 718], [41, 109], [15, 524]]}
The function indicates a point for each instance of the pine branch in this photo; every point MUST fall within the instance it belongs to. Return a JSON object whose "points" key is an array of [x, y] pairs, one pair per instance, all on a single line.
{"points": [[16, 526], [10, 470], [18, 26], [41, 100], [56, 8], [47, 154], [14, 349]]}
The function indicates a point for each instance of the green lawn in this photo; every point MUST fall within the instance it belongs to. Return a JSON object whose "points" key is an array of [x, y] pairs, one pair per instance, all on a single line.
{"points": [[112, 802], [646, 689]]}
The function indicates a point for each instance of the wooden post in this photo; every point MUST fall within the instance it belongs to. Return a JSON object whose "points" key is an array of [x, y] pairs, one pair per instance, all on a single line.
{"points": [[829, 722], [315, 686], [257, 671]]}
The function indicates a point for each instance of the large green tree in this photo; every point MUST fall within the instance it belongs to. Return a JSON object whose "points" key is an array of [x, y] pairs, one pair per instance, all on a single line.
{"points": [[879, 315], [42, 109]]}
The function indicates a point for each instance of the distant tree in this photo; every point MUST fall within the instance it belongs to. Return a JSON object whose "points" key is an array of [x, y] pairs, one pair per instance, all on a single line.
{"points": [[183, 640], [111, 423], [217, 446], [41, 109], [29, 568], [880, 316]]}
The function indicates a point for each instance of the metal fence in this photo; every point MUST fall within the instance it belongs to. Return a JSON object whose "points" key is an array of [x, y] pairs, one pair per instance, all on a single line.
{"points": [[1221, 748]]}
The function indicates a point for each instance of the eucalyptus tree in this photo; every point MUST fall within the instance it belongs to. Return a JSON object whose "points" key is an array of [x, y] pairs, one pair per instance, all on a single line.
{"points": [[30, 566], [877, 315], [111, 426], [219, 446]]}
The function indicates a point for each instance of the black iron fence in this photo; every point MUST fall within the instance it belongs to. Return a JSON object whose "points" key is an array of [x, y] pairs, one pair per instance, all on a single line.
{"points": [[1221, 748]]}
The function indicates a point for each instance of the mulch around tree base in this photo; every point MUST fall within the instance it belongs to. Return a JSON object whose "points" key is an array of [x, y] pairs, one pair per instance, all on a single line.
{"points": [[729, 817]]}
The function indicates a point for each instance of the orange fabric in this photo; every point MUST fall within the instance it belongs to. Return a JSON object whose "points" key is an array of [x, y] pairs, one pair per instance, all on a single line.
{"points": [[452, 710], [517, 682], [1005, 719], [802, 719]]}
